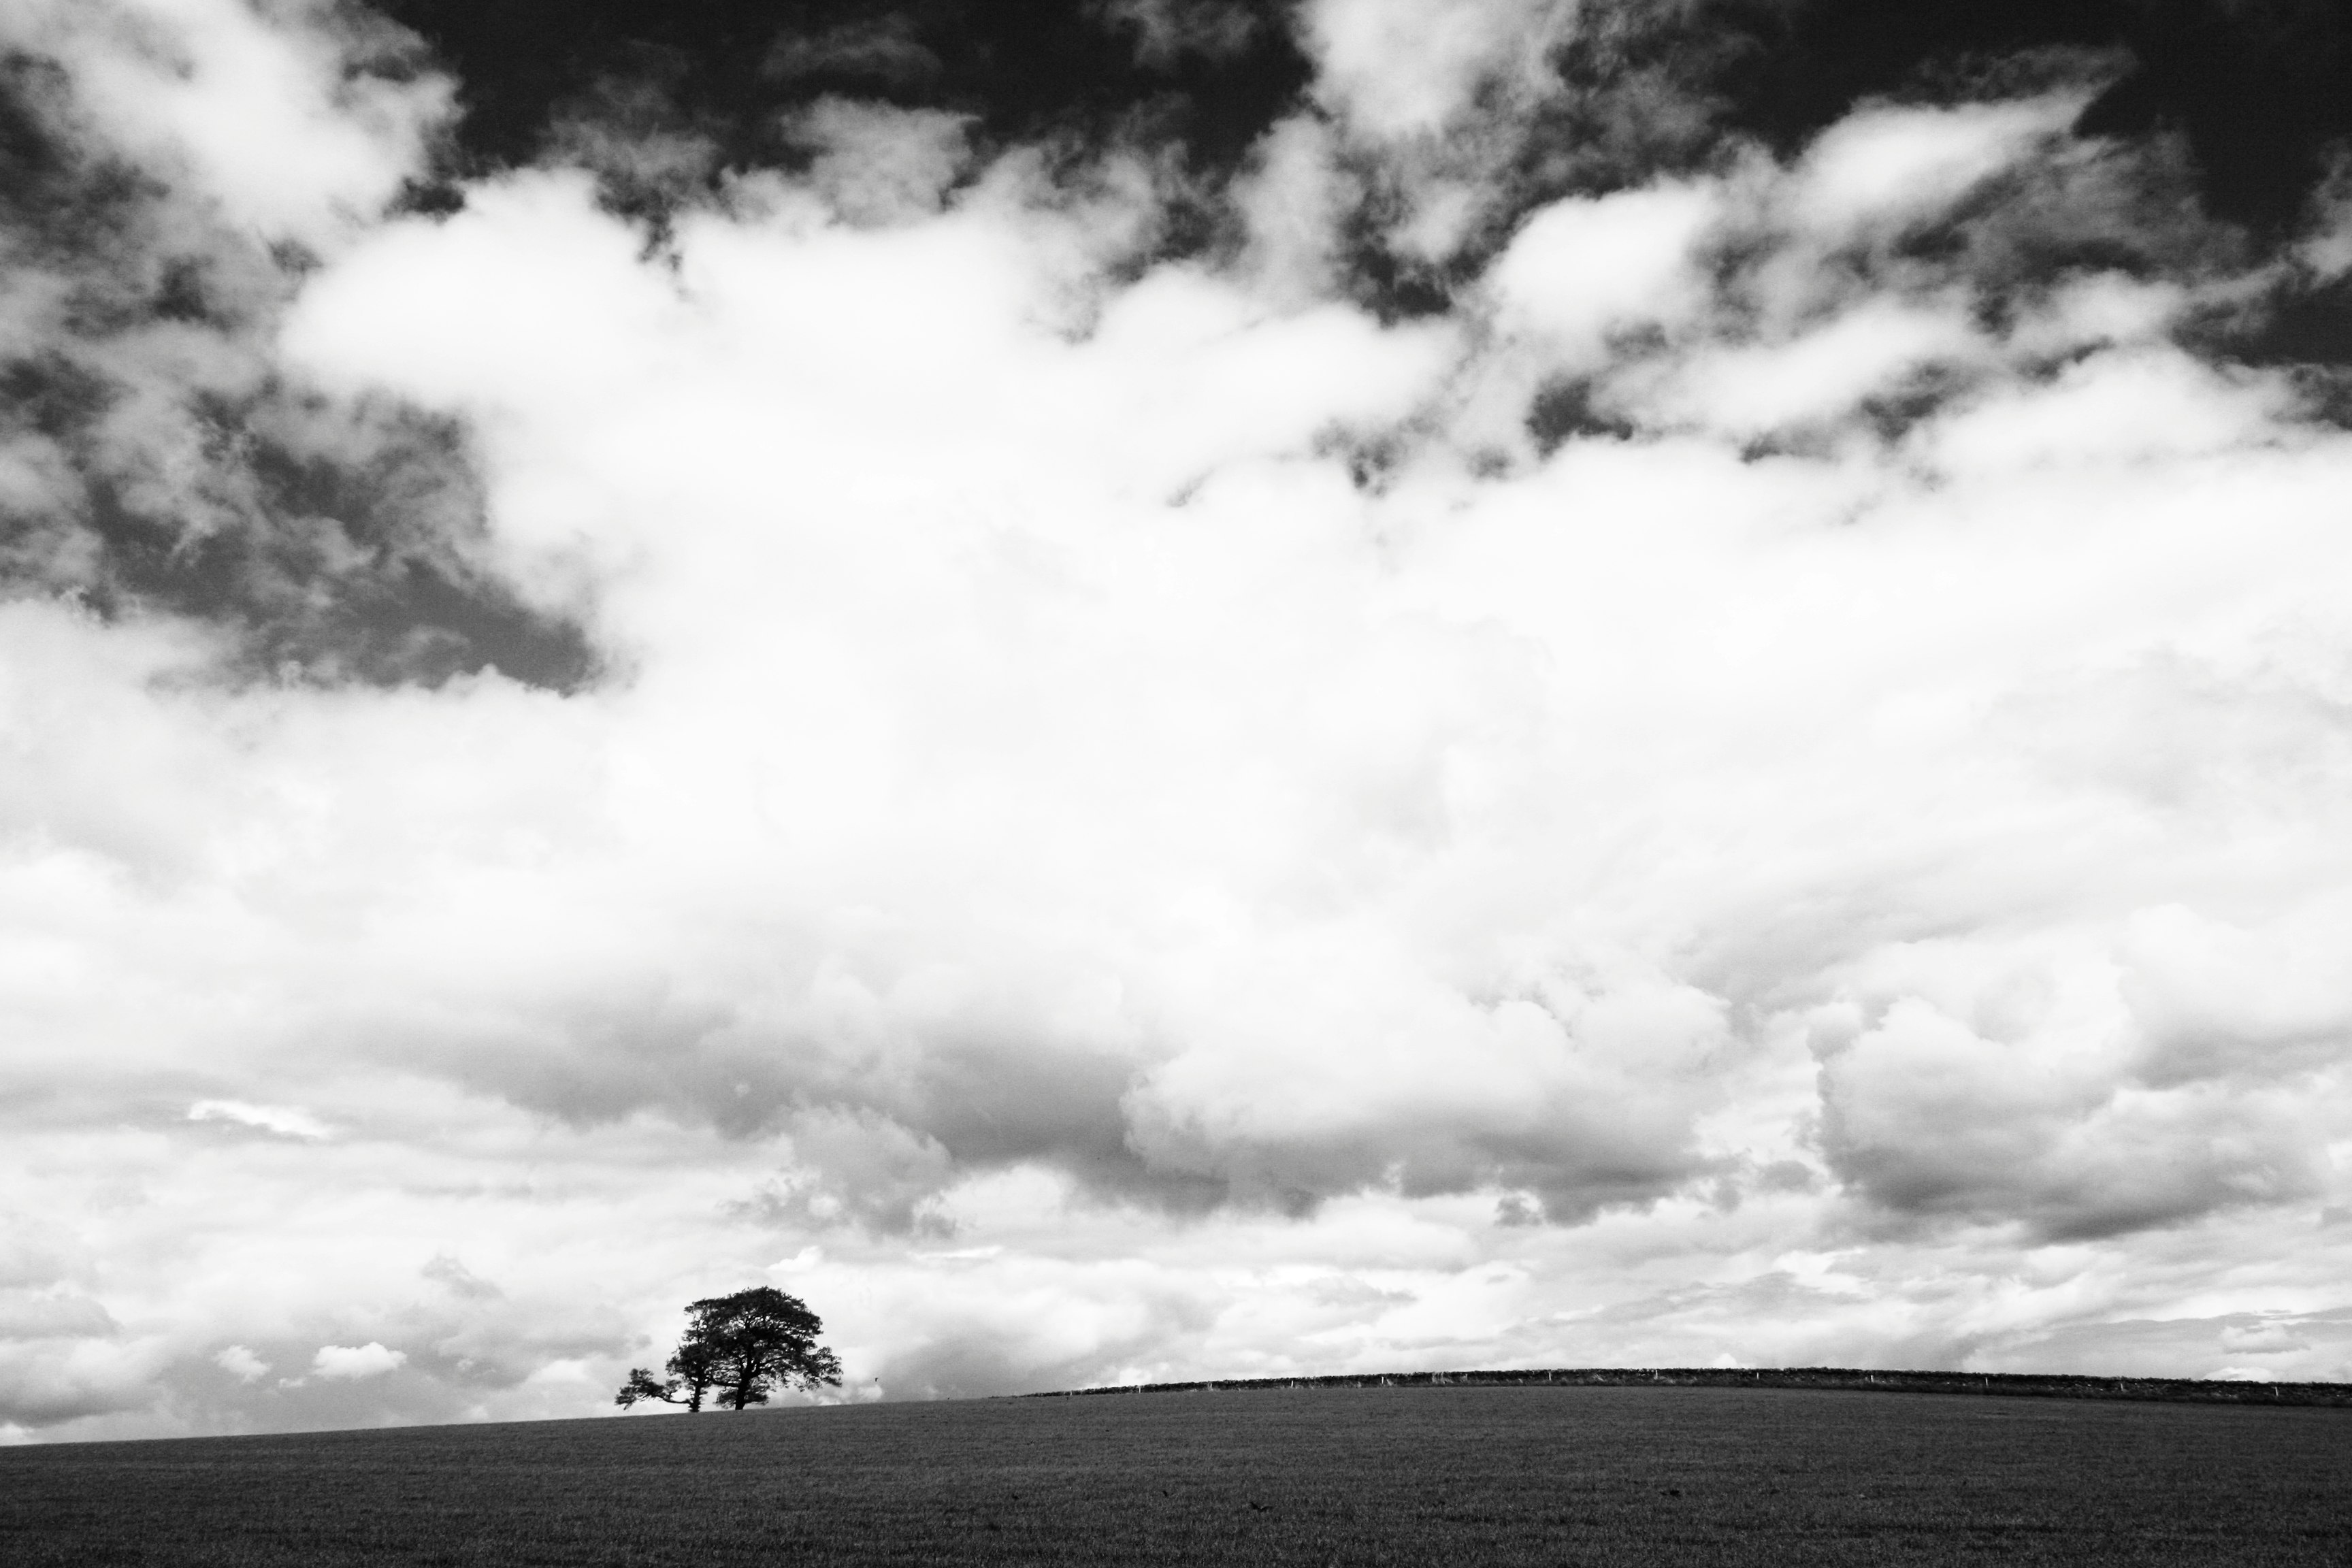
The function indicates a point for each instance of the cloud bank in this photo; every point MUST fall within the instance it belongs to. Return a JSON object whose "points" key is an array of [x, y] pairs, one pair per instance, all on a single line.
{"points": [[1566, 706]]}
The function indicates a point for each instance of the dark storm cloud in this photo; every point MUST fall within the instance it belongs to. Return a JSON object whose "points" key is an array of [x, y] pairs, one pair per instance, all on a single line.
{"points": [[159, 461]]}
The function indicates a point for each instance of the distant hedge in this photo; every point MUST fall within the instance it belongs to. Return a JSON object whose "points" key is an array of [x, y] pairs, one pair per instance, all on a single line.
{"points": [[2027, 1386]]}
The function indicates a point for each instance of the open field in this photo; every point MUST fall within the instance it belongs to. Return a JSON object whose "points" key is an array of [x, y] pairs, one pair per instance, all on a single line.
{"points": [[1862, 1379], [1399, 1475]]}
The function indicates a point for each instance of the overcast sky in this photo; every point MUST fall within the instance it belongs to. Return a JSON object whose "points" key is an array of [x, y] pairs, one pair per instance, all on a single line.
{"points": [[1167, 688]]}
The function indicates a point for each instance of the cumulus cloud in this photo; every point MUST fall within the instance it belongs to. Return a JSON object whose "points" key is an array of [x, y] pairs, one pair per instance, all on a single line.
{"points": [[300, 131], [1585, 268], [242, 1364], [355, 1362], [1402, 70], [874, 163], [1756, 773], [176, 171]]}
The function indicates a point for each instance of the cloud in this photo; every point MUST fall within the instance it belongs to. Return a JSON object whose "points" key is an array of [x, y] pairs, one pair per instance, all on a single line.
{"points": [[1280, 1059], [1887, 167], [1585, 268], [1400, 70], [883, 49], [460, 1280], [285, 1122], [242, 1364], [1167, 31], [875, 164], [2214, 1000], [2262, 1339], [180, 171], [63, 1356], [1754, 770], [1294, 201], [355, 1362], [300, 131], [1928, 1118]]}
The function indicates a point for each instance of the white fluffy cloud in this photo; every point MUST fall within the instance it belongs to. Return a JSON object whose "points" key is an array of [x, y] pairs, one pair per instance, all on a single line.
{"points": [[1400, 68], [242, 1363], [352, 1362], [1583, 268], [1887, 167], [280, 124], [1138, 822]]}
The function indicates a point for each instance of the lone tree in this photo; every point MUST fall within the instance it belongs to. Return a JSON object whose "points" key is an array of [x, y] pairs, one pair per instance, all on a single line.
{"points": [[744, 1346]]}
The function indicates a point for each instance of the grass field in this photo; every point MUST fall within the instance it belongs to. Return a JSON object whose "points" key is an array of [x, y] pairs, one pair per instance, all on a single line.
{"points": [[1447, 1475], [1864, 1380]]}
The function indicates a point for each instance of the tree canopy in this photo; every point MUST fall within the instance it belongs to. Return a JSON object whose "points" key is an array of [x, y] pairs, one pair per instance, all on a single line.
{"points": [[740, 1349]]}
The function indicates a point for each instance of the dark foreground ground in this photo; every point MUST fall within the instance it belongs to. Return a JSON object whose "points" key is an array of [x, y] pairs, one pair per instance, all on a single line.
{"points": [[1427, 1475], [1862, 1379]]}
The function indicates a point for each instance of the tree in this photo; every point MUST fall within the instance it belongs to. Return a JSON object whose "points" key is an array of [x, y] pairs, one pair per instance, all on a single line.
{"points": [[745, 1346], [693, 1372], [760, 1340]]}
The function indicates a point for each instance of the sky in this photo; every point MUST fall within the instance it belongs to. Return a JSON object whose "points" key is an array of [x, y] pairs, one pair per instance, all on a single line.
{"points": [[1148, 690]]}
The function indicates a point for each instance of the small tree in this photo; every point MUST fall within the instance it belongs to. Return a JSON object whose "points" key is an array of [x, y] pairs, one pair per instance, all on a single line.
{"points": [[693, 1372], [744, 1346]]}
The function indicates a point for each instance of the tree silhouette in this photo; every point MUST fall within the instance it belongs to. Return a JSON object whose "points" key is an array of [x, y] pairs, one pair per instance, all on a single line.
{"points": [[744, 1346], [692, 1372]]}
